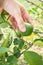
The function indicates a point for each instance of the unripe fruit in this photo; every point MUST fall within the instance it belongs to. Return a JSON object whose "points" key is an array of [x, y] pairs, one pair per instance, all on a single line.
{"points": [[29, 30]]}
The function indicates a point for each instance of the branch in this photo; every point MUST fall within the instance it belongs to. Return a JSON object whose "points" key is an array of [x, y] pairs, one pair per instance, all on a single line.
{"points": [[27, 48]]}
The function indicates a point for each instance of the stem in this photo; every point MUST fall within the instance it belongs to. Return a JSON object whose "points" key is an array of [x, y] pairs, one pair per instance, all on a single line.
{"points": [[27, 49]]}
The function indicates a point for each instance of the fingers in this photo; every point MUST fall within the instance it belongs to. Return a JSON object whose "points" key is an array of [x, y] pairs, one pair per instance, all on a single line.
{"points": [[14, 10], [26, 16], [13, 22], [20, 22]]}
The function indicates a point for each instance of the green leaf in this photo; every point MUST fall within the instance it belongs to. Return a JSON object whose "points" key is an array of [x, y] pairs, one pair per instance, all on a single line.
{"points": [[33, 58], [38, 42], [4, 13], [3, 50], [15, 49], [6, 63], [2, 22], [16, 52], [4, 19], [35, 8], [31, 11], [17, 55], [12, 59], [10, 42], [3, 25], [1, 19], [16, 42], [21, 43], [6, 54], [1, 35], [5, 43]]}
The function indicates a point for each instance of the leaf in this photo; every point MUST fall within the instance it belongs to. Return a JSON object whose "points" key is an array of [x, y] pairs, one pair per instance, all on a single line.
{"points": [[1, 35], [12, 59], [3, 25], [4, 13], [21, 43], [38, 42], [35, 8], [16, 42], [6, 54], [2, 22], [16, 52], [33, 58], [17, 55], [5, 43], [6, 63], [3, 50], [10, 42], [1, 19], [15, 49]]}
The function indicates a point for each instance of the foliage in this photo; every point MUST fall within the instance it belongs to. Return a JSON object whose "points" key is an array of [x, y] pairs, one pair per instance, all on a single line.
{"points": [[33, 58], [19, 43]]}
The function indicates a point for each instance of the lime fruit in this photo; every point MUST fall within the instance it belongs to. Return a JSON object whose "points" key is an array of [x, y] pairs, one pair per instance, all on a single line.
{"points": [[29, 30]]}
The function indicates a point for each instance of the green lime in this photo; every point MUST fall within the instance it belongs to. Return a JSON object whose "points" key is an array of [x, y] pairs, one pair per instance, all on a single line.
{"points": [[29, 30]]}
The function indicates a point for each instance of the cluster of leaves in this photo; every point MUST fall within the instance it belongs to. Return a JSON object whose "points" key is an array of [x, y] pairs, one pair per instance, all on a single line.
{"points": [[19, 44]]}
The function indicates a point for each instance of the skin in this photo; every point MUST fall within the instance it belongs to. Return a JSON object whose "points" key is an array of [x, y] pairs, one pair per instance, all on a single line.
{"points": [[17, 13]]}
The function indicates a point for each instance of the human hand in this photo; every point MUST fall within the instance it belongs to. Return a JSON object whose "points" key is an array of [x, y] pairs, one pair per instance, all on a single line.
{"points": [[18, 14]]}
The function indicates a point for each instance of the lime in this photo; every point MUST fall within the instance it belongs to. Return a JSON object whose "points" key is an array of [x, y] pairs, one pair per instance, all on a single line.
{"points": [[29, 30]]}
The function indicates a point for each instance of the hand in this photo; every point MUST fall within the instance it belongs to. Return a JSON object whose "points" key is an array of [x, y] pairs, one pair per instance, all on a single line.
{"points": [[18, 14]]}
